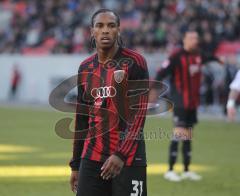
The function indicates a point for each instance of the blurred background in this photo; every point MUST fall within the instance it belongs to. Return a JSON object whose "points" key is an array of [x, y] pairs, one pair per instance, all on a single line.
{"points": [[43, 42]]}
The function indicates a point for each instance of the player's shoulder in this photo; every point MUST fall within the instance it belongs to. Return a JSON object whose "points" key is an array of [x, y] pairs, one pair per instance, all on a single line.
{"points": [[132, 54], [135, 56], [84, 65], [176, 52]]}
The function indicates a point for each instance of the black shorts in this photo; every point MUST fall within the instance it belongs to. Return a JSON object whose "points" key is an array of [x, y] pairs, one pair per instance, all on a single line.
{"points": [[130, 182], [184, 118]]}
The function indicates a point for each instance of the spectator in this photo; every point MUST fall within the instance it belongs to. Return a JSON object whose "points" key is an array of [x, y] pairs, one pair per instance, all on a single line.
{"points": [[27, 25]]}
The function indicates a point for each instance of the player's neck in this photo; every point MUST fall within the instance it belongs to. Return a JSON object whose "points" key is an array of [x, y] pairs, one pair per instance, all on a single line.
{"points": [[105, 55], [187, 49], [190, 50]]}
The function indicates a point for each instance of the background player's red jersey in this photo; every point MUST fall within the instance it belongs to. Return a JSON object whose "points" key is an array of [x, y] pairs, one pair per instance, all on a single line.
{"points": [[184, 69]]}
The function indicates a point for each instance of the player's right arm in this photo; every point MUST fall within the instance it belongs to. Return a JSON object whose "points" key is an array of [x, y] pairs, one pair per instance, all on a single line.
{"points": [[166, 69], [81, 123]]}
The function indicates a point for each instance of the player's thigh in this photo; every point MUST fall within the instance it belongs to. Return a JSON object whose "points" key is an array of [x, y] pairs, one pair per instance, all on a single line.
{"points": [[192, 117], [90, 183], [182, 133], [132, 181]]}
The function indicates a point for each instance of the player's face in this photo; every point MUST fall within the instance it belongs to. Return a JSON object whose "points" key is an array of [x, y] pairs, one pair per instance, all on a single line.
{"points": [[191, 41], [105, 30]]}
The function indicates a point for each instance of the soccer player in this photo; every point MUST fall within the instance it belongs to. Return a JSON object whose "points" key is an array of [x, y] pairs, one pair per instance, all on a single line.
{"points": [[108, 155], [233, 95], [184, 69]]}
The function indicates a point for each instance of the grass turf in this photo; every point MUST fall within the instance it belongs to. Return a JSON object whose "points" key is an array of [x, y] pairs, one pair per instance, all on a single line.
{"points": [[33, 159]]}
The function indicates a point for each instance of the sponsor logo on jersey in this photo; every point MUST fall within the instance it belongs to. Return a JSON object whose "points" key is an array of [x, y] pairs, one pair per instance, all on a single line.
{"points": [[194, 69], [103, 92]]}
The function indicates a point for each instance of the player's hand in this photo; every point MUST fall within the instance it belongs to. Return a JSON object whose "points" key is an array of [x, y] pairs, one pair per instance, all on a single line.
{"points": [[231, 113], [112, 167], [153, 96], [74, 181]]}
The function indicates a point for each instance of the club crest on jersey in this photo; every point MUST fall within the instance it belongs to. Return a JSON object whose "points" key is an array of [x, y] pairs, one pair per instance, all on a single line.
{"points": [[119, 76]]}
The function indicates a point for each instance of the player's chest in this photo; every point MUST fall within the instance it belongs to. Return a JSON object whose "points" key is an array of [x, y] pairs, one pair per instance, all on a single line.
{"points": [[191, 64], [103, 84]]}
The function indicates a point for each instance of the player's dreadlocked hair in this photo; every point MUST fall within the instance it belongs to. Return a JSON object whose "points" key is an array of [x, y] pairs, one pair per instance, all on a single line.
{"points": [[104, 10]]}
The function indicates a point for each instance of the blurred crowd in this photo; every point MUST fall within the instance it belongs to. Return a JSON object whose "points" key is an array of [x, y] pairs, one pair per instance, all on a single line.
{"points": [[62, 26]]}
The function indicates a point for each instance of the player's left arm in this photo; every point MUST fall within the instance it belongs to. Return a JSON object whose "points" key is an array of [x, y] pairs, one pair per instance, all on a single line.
{"points": [[137, 114], [233, 95], [138, 108]]}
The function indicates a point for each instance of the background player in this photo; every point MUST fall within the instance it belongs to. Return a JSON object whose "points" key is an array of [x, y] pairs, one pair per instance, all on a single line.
{"points": [[184, 69], [110, 160], [233, 95]]}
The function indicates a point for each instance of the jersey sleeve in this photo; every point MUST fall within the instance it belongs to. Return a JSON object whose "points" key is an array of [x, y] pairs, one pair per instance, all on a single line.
{"points": [[81, 125], [235, 85], [136, 120], [166, 68]]}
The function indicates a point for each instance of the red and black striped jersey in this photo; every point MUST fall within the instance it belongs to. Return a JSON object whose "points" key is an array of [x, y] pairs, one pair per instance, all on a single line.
{"points": [[184, 69], [110, 113]]}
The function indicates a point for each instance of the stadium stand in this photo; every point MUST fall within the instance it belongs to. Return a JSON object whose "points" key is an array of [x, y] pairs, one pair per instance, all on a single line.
{"points": [[61, 26]]}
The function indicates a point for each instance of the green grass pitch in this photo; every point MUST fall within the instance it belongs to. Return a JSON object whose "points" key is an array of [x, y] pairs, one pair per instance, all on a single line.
{"points": [[33, 159]]}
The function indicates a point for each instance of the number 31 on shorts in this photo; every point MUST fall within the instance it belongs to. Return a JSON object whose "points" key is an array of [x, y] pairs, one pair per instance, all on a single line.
{"points": [[137, 188]]}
